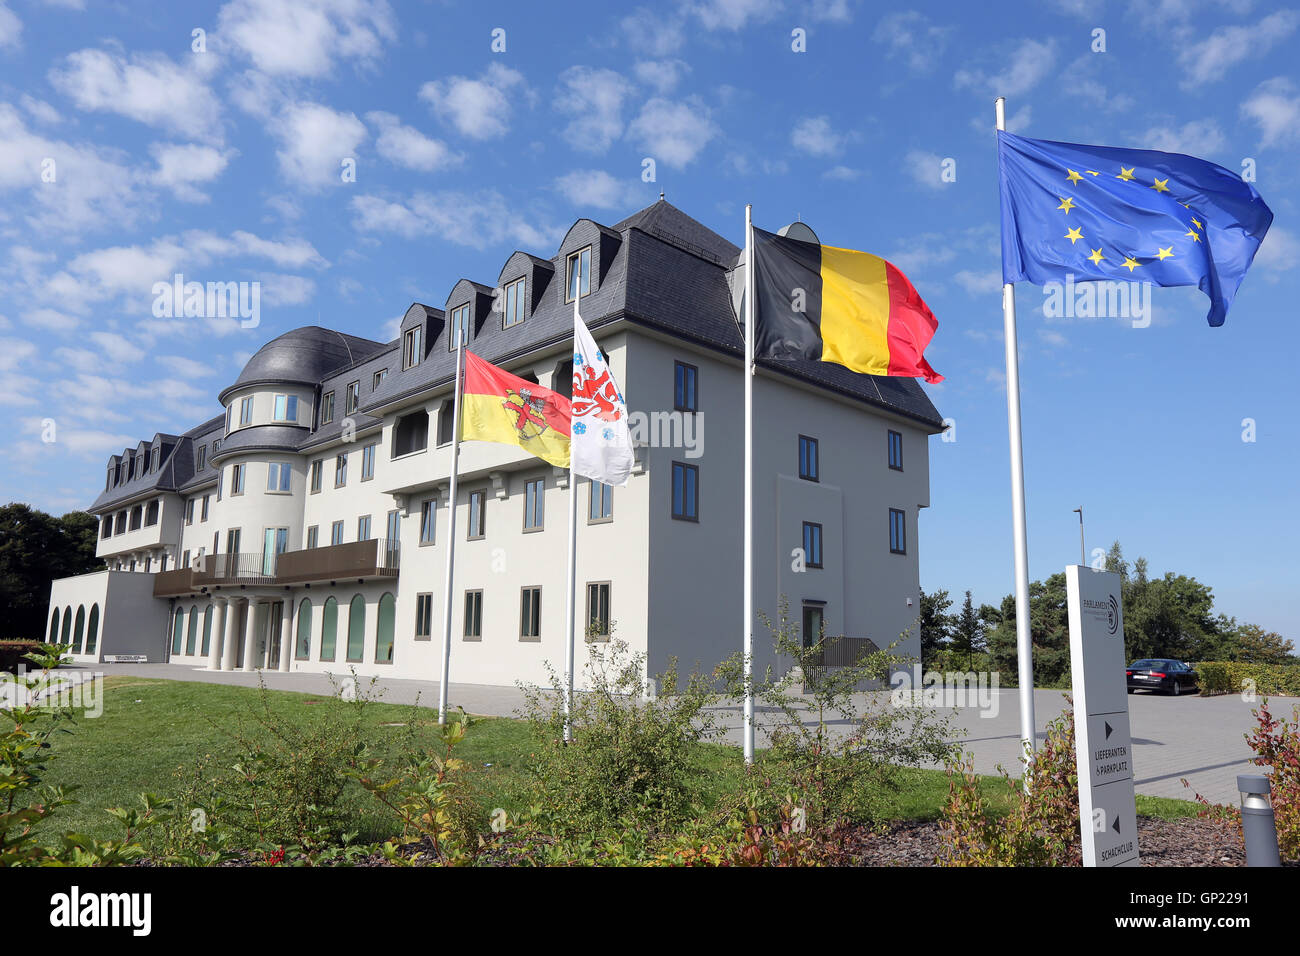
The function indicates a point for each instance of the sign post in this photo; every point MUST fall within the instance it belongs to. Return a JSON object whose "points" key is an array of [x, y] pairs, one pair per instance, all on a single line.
{"points": [[1103, 744]]}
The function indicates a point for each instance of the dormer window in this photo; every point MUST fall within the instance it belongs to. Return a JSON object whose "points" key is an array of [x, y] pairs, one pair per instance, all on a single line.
{"points": [[378, 379], [327, 408], [578, 270], [459, 327], [513, 299], [412, 348], [203, 457], [286, 408], [246, 411], [353, 398]]}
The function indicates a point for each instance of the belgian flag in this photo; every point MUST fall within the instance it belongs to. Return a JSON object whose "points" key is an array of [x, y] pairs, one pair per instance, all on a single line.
{"points": [[499, 407], [838, 305]]}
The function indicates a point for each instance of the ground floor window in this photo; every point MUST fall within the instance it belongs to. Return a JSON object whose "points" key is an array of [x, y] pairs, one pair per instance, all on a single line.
{"points": [[178, 631], [302, 650], [92, 630], [473, 615], [530, 614], [329, 630], [385, 630], [598, 611], [814, 623], [423, 617], [356, 628], [192, 635], [207, 631]]}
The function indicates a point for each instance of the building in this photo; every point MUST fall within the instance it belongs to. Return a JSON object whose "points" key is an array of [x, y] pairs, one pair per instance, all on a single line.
{"points": [[304, 527]]}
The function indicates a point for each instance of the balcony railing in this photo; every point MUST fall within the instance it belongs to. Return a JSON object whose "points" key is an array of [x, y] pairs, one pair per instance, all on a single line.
{"points": [[378, 557], [839, 652]]}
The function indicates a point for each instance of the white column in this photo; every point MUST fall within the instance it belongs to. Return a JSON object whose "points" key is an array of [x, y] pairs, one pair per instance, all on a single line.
{"points": [[286, 636], [214, 649], [250, 638], [229, 647]]}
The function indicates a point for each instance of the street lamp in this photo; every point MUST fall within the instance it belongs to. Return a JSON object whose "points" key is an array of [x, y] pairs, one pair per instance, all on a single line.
{"points": [[1083, 555]]}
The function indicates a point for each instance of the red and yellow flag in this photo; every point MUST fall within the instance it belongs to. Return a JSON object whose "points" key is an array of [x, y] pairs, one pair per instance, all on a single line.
{"points": [[500, 407]]}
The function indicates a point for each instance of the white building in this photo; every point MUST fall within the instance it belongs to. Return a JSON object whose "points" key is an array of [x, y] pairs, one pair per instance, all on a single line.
{"points": [[304, 527]]}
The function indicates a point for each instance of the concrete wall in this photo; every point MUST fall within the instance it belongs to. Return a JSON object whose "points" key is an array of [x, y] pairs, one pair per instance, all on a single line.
{"points": [[131, 619]]}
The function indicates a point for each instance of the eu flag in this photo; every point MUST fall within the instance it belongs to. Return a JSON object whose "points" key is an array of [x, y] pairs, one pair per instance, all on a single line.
{"points": [[1097, 212]]}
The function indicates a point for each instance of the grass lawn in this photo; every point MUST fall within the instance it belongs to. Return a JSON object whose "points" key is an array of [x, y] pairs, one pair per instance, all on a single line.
{"points": [[149, 728]]}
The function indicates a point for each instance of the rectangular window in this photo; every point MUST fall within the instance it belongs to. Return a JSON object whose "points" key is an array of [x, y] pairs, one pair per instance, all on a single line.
{"points": [[341, 470], [601, 504], [336, 533], [203, 514], [812, 544], [327, 408], [897, 531], [313, 536], [229, 410], [428, 520], [378, 379], [814, 617], [477, 522], [412, 347], [363, 528], [185, 559], [578, 270], [684, 397], [106, 527], [423, 617], [530, 614], [809, 464], [473, 616], [393, 528], [533, 504], [278, 476], [237, 479], [459, 327], [203, 458], [896, 451], [368, 462], [121, 523], [286, 408], [598, 610], [246, 411], [353, 398], [686, 491], [151, 514], [232, 541], [513, 299], [317, 467], [189, 511], [137, 516]]}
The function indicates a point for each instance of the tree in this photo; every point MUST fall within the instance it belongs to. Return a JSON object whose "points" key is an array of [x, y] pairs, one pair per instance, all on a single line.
{"points": [[1049, 634], [968, 631], [1259, 646], [36, 548], [935, 623]]}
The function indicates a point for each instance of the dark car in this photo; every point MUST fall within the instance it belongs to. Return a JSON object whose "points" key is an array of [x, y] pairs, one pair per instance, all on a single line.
{"points": [[1158, 673]]}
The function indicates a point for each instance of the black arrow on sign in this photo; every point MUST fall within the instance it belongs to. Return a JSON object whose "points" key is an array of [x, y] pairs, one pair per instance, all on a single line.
{"points": [[1115, 825], [1109, 729]]}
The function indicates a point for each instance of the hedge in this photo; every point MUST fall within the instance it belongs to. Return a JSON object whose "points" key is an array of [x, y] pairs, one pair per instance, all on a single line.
{"points": [[1226, 677], [14, 652]]}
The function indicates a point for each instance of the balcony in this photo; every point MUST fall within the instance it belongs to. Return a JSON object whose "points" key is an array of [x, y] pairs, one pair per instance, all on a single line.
{"points": [[358, 560]]}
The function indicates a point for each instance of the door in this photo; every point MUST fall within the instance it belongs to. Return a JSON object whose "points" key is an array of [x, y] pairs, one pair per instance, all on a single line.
{"points": [[274, 625], [276, 542]]}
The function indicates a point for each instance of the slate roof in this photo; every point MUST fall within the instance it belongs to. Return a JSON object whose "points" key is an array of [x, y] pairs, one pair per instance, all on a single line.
{"points": [[302, 357]]}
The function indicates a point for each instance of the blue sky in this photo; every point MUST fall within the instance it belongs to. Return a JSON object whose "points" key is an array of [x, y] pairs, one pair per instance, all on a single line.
{"points": [[225, 165]]}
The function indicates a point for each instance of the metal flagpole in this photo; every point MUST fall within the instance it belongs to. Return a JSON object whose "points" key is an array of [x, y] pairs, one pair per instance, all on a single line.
{"points": [[1024, 640], [451, 528], [570, 610], [748, 631]]}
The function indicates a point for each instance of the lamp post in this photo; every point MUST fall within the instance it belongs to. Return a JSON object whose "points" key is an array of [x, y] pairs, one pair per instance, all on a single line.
{"points": [[1083, 555]]}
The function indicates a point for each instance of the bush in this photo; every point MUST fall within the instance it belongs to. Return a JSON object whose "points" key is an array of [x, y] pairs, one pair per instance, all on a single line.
{"points": [[1229, 677], [14, 652], [1276, 742]]}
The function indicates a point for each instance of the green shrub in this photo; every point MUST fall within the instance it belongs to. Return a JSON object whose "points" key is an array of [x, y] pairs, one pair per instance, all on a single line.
{"points": [[1276, 742], [1234, 677], [14, 652]]}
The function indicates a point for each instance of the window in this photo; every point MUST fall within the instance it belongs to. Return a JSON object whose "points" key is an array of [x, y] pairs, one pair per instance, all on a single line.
{"points": [[341, 470], [530, 614], [278, 476], [393, 529], [229, 411], [428, 520], [203, 515], [578, 271], [897, 531], [459, 327], [327, 408], [232, 541], [151, 513], [237, 479], [446, 422], [356, 628], [216, 445], [106, 526], [473, 616], [203, 457], [809, 464], [189, 511], [534, 503], [412, 347], [367, 462], [185, 559], [601, 507], [121, 523], [684, 396], [686, 492], [286, 408], [814, 622], [378, 379], [353, 398], [137, 516], [385, 628], [302, 647], [896, 451], [329, 630], [812, 544], [157, 459], [423, 617], [192, 635], [313, 536], [336, 533], [477, 524], [178, 630], [514, 304], [363, 528], [246, 410], [317, 467], [598, 610]]}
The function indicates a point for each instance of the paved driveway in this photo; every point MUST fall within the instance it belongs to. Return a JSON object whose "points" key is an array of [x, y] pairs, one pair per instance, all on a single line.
{"points": [[1200, 739]]}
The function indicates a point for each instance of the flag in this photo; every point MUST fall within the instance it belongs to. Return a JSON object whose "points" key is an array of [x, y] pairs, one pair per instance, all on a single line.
{"points": [[1098, 212], [601, 441], [837, 305], [500, 407]]}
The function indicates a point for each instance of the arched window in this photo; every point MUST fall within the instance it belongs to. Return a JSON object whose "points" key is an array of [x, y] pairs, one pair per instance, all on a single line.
{"points": [[92, 630], [54, 625], [384, 636], [178, 631], [356, 628], [66, 636], [207, 630], [303, 650], [563, 380], [329, 630], [79, 631], [411, 433], [193, 634]]}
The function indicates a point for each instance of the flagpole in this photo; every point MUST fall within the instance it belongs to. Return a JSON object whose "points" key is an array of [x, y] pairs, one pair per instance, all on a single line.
{"points": [[570, 610], [451, 528], [1024, 639], [747, 631]]}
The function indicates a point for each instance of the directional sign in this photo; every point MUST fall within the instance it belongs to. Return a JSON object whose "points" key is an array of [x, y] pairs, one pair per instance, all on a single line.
{"points": [[1103, 744]]}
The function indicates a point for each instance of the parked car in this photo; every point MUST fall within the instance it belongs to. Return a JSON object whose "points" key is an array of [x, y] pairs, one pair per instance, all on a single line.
{"points": [[1158, 673]]}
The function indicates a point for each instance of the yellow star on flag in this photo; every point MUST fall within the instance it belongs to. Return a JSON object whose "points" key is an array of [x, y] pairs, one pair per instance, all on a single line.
{"points": [[1161, 186], [1195, 220], [1130, 263], [1073, 176], [1096, 256], [1067, 204], [1074, 235], [1091, 172], [1163, 253], [1126, 174], [1196, 237]]}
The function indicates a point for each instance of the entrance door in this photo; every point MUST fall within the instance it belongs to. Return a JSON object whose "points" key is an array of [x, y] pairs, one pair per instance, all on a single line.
{"points": [[276, 542], [274, 625]]}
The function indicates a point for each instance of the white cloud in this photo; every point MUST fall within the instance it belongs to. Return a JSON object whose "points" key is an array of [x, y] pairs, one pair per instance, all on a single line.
{"points": [[51, 319], [116, 347], [671, 132], [595, 188], [185, 367], [979, 284], [14, 352], [150, 89], [842, 174], [283, 289], [1198, 137], [1028, 63], [926, 169], [407, 146], [182, 166], [832, 11], [594, 98], [292, 39], [477, 220], [1275, 108], [314, 141], [1279, 253], [1212, 57], [732, 14], [11, 28], [663, 75], [40, 110], [653, 32], [479, 109], [913, 37], [815, 136]]}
